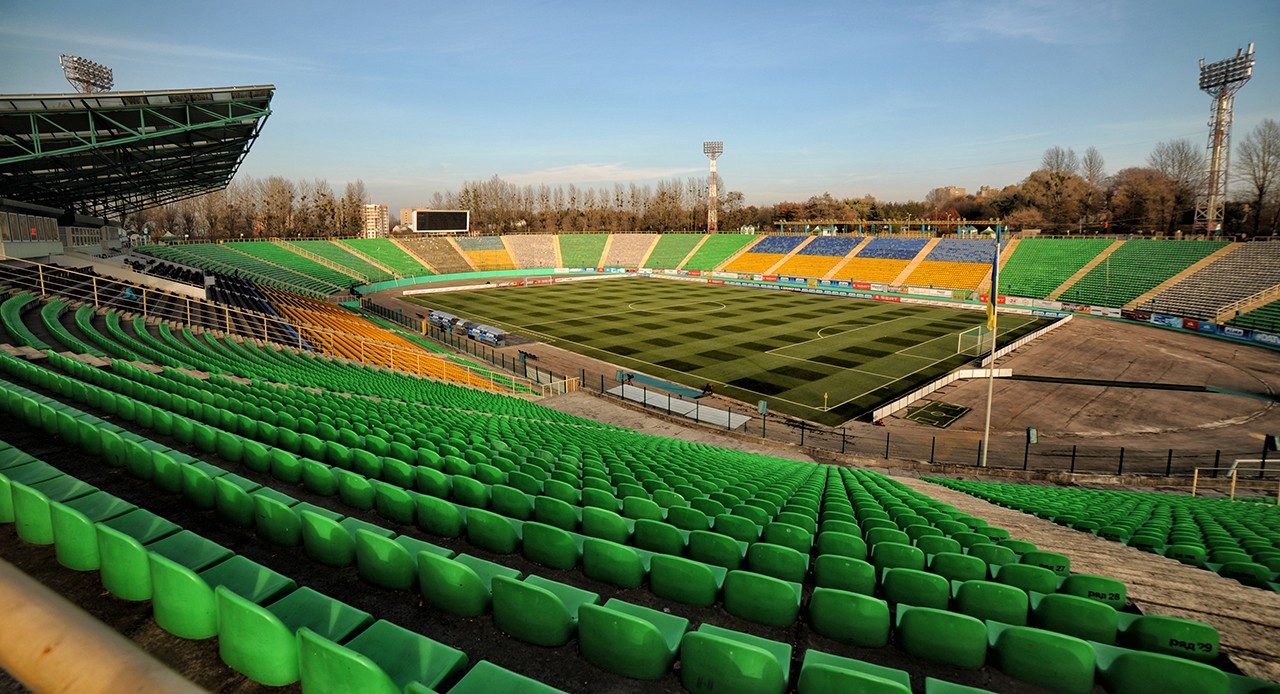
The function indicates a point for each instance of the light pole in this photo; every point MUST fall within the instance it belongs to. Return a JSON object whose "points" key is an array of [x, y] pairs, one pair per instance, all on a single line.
{"points": [[712, 150]]}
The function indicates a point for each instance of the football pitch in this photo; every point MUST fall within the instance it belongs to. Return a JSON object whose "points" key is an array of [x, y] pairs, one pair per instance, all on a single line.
{"points": [[823, 358]]}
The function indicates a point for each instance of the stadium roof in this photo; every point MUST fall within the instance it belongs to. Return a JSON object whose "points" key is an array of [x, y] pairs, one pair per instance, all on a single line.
{"points": [[110, 154]]}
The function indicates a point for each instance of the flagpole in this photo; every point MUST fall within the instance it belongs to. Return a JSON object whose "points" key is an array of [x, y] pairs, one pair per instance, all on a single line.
{"points": [[991, 324]]}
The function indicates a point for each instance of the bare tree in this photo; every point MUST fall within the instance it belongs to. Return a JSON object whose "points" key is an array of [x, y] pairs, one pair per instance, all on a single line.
{"points": [[1060, 161], [1258, 163], [1183, 164], [1093, 168]]}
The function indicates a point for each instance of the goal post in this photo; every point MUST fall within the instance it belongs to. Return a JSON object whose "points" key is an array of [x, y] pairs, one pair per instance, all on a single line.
{"points": [[974, 341]]}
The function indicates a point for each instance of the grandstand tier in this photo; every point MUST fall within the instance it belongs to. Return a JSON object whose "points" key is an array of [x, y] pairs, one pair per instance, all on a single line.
{"points": [[1243, 272], [1135, 268], [436, 252], [582, 250], [1039, 266], [717, 248], [387, 254]]}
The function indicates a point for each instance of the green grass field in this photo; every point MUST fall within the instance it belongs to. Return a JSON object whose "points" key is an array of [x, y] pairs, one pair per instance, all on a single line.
{"points": [[753, 344]]}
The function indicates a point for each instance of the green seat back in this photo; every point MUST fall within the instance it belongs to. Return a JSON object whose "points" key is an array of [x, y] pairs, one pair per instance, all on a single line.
{"points": [[630, 640], [763, 599], [997, 602], [914, 587], [685, 580], [943, 637], [538, 611], [854, 618], [550, 546], [1043, 658], [714, 660], [844, 573]]}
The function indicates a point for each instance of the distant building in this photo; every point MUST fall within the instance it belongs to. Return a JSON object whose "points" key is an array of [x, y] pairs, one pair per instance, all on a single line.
{"points": [[946, 193], [376, 221], [987, 192]]}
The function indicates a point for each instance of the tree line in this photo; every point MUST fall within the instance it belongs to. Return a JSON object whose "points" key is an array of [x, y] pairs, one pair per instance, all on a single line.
{"points": [[1067, 193]]}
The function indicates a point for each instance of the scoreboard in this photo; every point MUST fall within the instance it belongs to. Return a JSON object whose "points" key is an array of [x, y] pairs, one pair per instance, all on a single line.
{"points": [[440, 221]]}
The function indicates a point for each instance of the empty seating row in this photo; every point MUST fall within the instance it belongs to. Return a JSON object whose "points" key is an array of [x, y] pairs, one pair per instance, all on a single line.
{"points": [[385, 253], [582, 250]]}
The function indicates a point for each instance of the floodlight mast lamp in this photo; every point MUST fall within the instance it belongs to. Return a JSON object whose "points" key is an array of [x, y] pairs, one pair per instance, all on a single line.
{"points": [[1220, 80], [85, 75], [713, 150]]}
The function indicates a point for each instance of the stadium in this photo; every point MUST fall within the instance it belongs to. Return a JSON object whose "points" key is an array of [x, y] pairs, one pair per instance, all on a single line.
{"points": [[705, 462]]}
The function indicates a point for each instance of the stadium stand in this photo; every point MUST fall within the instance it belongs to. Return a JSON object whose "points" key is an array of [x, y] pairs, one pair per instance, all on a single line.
{"points": [[881, 260], [532, 250], [280, 256], [765, 254], [819, 256], [486, 252], [628, 250], [436, 252], [1248, 269], [1265, 317], [1039, 266], [582, 250], [954, 263], [716, 249], [671, 250], [386, 253], [213, 257], [1135, 268], [341, 256]]}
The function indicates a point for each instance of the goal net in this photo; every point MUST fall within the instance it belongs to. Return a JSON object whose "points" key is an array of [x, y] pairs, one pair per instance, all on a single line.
{"points": [[974, 342]]}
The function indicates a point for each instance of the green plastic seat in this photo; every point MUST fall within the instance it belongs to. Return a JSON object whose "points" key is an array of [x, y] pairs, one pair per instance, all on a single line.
{"points": [[511, 502], [1194, 555], [737, 527], [613, 563], [393, 503], [1032, 579], [855, 618], [660, 536], [989, 601], [889, 554], [487, 678], [493, 532], [628, 639], [384, 562], [762, 599], [935, 544], [1019, 547], [260, 641], [714, 660], [460, 585], [440, 517], [385, 658], [537, 610], [551, 546], [788, 535], [1059, 564], [326, 540], [1184, 638], [954, 566], [183, 601], [276, 521], [841, 543], [354, 490], [914, 587], [1100, 588], [942, 637], [1124, 671], [606, 525], [778, 561], [319, 478], [1076, 616], [993, 554], [1043, 658], [714, 548], [685, 581], [557, 512], [844, 573], [470, 492], [190, 550], [823, 672], [31, 514], [687, 518], [232, 500]]}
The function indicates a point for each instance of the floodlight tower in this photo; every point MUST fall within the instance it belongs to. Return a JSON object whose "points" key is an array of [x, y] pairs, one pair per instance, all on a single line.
{"points": [[713, 150], [1220, 80], [85, 75]]}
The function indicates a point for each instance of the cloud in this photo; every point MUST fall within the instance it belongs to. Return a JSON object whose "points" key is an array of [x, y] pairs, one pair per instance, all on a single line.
{"points": [[1039, 21], [594, 173], [132, 47]]}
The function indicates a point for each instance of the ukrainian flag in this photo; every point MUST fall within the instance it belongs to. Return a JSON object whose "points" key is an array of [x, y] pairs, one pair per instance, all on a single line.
{"points": [[995, 284]]}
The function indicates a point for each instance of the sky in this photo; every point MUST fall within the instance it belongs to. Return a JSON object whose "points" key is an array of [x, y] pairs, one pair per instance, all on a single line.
{"points": [[855, 97]]}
